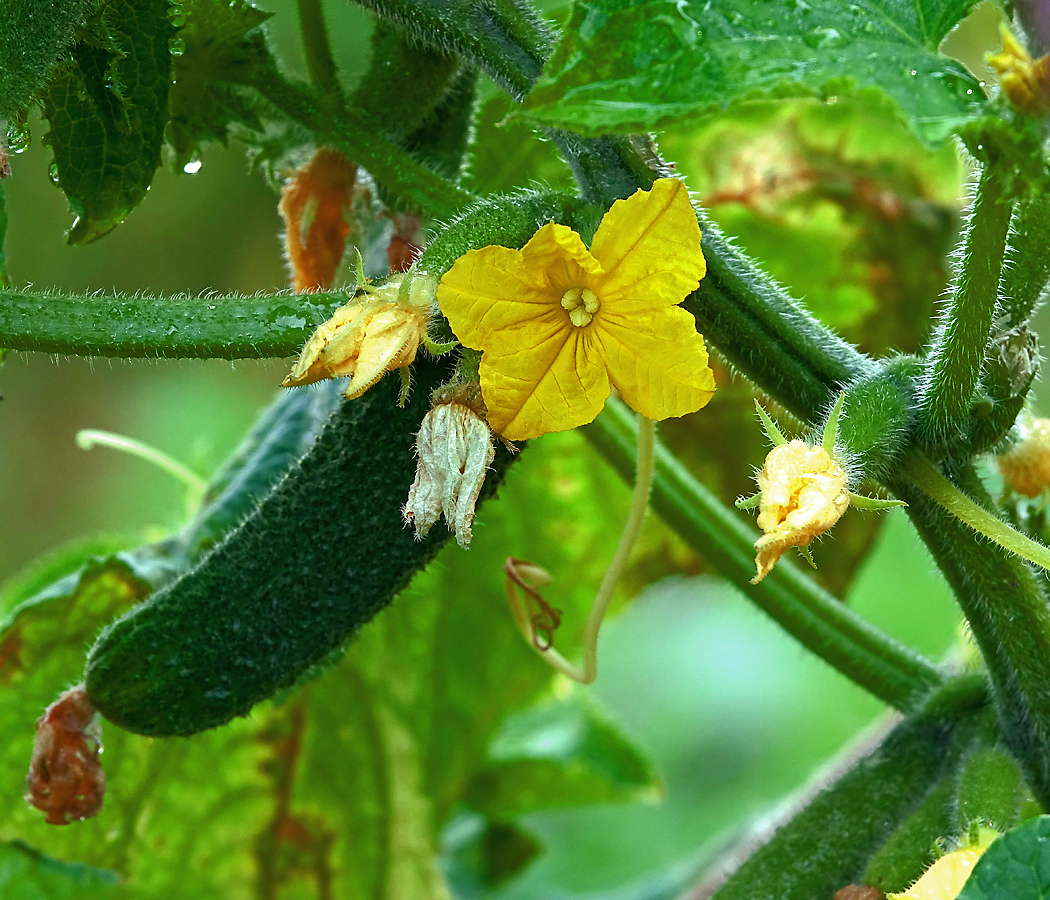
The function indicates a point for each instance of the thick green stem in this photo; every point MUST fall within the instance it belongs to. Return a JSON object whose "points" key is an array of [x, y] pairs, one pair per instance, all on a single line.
{"points": [[316, 49], [958, 347], [1026, 270], [862, 653], [1007, 611], [227, 327], [357, 136]]}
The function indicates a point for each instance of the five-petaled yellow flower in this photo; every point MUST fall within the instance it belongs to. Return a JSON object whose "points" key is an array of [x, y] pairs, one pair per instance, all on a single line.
{"points": [[559, 323]]}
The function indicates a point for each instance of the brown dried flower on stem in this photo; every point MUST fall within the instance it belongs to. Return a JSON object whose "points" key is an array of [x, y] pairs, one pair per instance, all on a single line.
{"points": [[314, 205], [65, 777]]}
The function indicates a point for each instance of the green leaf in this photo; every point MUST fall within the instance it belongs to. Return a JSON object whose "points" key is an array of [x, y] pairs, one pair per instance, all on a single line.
{"points": [[27, 874], [639, 66], [562, 754], [1015, 867], [213, 48], [107, 106], [32, 35]]}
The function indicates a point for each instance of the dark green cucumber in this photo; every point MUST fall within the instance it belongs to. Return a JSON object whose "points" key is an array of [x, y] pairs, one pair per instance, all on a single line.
{"points": [[827, 845], [322, 554]]}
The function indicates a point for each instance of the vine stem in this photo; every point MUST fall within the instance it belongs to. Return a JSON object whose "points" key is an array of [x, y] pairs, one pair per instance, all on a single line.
{"points": [[211, 326], [358, 137], [316, 48], [632, 528], [958, 347], [944, 493], [847, 642]]}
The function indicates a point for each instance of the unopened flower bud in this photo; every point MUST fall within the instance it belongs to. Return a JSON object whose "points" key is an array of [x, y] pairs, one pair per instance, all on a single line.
{"points": [[455, 449], [1026, 468], [803, 493], [369, 336]]}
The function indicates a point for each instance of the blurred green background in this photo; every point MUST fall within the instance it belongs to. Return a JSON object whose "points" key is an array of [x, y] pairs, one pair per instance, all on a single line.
{"points": [[734, 714]]}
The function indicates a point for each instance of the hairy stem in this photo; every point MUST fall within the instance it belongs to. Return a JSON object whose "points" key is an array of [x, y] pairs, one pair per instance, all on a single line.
{"points": [[1006, 608], [947, 495], [316, 49], [358, 137], [5, 281], [226, 327], [1026, 270], [861, 652], [958, 347]]}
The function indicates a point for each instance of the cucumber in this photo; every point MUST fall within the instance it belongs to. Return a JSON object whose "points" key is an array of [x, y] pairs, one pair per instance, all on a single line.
{"points": [[321, 555], [827, 845]]}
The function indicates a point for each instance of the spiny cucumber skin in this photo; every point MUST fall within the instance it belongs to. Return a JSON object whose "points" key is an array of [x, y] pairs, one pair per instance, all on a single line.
{"points": [[827, 845], [322, 554]]}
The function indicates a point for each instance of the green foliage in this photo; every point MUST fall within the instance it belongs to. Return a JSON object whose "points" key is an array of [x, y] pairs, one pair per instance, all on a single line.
{"points": [[30, 875], [107, 107], [1015, 867], [216, 43], [990, 791], [640, 66], [33, 34]]}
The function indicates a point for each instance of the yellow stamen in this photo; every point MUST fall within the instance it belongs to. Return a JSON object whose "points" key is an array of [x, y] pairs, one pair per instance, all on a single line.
{"points": [[582, 303]]}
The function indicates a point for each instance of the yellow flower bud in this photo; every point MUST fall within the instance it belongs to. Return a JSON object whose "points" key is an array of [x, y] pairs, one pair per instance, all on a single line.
{"points": [[1026, 468], [803, 493], [369, 336], [455, 449], [1024, 80]]}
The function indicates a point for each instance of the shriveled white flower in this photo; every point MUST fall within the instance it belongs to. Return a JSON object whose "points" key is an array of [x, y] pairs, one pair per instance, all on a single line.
{"points": [[455, 449]]}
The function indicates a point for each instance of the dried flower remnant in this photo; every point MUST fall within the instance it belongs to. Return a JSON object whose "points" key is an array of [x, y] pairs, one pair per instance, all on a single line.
{"points": [[65, 777], [1026, 468], [560, 324], [314, 206], [378, 331], [858, 892], [455, 449], [1024, 80]]}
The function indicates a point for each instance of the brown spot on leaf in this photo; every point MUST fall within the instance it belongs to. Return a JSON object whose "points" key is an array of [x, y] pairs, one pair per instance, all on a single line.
{"points": [[65, 777]]}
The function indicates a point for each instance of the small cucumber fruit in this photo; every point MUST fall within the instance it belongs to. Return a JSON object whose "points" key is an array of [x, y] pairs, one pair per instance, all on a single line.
{"points": [[321, 555]]}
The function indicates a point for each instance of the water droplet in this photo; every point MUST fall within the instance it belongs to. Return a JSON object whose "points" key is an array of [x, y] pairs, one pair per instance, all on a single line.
{"points": [[822, 37], [868, 27], [192, 167], [52, 172], [176, 46], [17, 138]]}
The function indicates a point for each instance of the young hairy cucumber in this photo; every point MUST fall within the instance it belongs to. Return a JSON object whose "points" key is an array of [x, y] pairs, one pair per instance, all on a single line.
{"points": [[321, 555], [827, 845]]}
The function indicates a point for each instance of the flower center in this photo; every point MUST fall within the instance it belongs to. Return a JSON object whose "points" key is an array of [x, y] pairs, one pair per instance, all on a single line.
{"points": [[582, 303]]}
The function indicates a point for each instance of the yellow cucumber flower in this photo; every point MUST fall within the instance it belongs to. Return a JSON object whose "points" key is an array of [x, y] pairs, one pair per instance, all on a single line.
{"points": [[559, 323], [945, 879], [1024, 80]]}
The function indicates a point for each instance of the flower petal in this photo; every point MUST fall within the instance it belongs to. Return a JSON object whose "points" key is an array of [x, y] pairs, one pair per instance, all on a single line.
{"points": [[659, 366], [649, 245], [543, 377], [390, 341], [495, 288]]}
